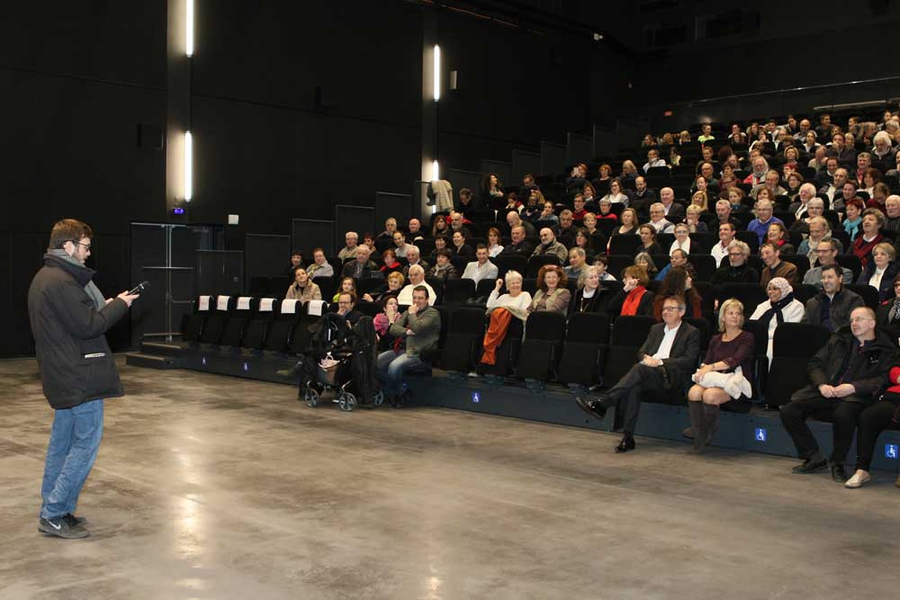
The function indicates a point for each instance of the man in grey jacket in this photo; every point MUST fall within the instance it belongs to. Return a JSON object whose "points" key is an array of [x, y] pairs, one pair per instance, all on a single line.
{"points": [[418, 330], [832, 306], [69, 317]]}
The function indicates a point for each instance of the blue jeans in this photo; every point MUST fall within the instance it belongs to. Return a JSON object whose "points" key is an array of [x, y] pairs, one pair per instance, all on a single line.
{"points": [[74, 442], [392, 366]]}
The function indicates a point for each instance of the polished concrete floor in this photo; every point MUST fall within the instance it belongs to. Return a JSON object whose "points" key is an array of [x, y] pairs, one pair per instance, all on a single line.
{"points": [[210, 487]]}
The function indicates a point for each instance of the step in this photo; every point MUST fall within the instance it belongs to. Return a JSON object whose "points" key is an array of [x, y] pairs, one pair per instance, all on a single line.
{"points": [[150, 361], [163, 348]]}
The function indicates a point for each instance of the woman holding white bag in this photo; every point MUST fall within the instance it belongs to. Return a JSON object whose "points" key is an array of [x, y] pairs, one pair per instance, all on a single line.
{"points": [[723, 376]]}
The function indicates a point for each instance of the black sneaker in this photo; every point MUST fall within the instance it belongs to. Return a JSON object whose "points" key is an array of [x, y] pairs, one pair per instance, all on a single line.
{"points": [[60, 527], [74, 521]]}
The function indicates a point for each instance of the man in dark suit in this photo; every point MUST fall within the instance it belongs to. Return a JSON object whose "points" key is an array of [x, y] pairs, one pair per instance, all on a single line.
{"points": [[667, 360], [674, 211]]}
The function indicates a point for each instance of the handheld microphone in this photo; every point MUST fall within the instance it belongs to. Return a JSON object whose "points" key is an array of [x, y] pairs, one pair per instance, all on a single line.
{"points": [[144, 285]]}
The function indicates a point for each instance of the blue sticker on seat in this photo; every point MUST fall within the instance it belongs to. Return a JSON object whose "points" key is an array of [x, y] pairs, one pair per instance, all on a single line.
{"points": [[890, 451], [476, 397], [761, 434]]}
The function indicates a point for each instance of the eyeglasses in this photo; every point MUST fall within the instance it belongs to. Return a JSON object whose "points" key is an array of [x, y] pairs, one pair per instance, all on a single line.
{"points": [[671, 308], [735, 254], [85, 246]]}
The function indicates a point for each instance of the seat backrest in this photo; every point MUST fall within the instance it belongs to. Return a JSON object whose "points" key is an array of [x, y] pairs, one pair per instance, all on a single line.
{"points": [[510, 263], [704, 266], [624, 244], [588, 328], [868, 293], [631, 331], [536, 262], [799, 340], [326, 285], [545, 325], [244, 309], [750, 295], [256, 330], [215, 322], [458, 291], [801, 261]]}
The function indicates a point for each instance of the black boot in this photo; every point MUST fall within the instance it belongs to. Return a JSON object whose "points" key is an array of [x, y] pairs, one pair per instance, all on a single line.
{"points": [[627, 444], [711, 418], [698, 424]]}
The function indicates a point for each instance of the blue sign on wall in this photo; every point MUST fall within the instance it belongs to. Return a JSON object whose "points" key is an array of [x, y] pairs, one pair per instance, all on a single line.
{"points": [[761, 435], [246, 366], [476, 397], [203, 360], [891, 450]]}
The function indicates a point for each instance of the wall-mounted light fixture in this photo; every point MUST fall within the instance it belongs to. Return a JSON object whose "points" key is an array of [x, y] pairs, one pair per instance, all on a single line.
{"points": [[188, 167], [189, 27], [437, 72], [435, 170]]}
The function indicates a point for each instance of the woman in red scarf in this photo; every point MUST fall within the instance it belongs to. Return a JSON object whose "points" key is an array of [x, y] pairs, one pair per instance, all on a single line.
{"points": [[777, 234], [872, 222], [634, 298]]}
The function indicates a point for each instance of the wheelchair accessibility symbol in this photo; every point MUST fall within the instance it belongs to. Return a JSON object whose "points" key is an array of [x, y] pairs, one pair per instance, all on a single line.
{"points": [[891, 451], [761, 434], [476, 397]]}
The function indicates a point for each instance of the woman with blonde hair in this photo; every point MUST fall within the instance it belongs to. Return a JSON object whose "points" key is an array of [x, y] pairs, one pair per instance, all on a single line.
{"points": [[724, 375]]}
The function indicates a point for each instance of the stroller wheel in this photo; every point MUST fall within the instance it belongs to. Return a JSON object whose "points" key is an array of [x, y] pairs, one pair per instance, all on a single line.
{"points": [[312, 397], [347, 401], [378, 399]]}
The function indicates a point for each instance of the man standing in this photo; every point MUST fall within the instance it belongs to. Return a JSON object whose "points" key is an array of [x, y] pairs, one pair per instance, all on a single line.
{"points": [[832, 306], [419, 329], [666, 361], [69, 317], [843, 378]]}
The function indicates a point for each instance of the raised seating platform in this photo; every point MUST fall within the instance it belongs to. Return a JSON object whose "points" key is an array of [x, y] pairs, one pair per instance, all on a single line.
{"points": [[756, 431]]}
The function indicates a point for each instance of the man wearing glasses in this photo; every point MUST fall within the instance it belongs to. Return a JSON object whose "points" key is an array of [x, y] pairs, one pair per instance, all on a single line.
{"points": [[827, 252], [69, 317], [666, 361], [843, 379], [737, 270]]}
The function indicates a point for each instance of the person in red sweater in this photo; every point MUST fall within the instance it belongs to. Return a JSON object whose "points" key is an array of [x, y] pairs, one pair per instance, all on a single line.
{"points": [[872, 222]]}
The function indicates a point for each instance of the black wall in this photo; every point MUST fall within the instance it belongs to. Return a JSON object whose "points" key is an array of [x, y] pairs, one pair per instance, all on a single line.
{"points": [[295, 107]]}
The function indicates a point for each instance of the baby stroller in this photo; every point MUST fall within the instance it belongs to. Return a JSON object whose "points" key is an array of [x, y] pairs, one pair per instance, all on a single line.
{"points": [[342, 360]]}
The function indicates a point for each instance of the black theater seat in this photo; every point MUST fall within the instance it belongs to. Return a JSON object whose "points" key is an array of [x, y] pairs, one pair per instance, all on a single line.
{"points": [[587, 340], [542, 346]]}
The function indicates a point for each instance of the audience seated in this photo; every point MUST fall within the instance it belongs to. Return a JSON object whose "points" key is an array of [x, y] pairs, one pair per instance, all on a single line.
{"points": [[853, 217], [775, 267], [502, 309], [826, 253], [843, 378], [648, 244], [881, 270], [481, 268], [726, 236], [764, 218], [552, 294], [303, 289], [417, 330], [615, 194], [658, 217], [737, 270], [678, 258], [389, 262], [778, 235], [320, 266], [413, 257], [683, 241], [361, 266], [550, 247], [678, 282], [519, 246], [588, 296], [602, 263], [645, 261], [416, 232], [391, 289], [577, 264], [296, 261], [819, 231], [416, 278], [781, 307], [665, 363], [443, 269], [493, 242], [888, 314], [872, 222], [831, 307], [351, 239], [724, 375], [874, 419], [347, 286], [643, 196], [382, 323]]}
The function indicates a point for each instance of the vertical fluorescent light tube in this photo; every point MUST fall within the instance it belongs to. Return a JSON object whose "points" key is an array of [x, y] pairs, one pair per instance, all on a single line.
{"points": [[437, 72], [435, 170], [188, 167], [189, 27]]}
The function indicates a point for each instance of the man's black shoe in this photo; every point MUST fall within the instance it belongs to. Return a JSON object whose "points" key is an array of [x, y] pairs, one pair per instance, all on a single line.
{"points": [[626, 445], [837, 472], [809, 466], [60, 527], [591, 407], [74, 521]]}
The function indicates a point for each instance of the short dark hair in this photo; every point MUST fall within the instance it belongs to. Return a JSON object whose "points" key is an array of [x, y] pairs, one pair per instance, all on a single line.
{"points": [[465, 192], [444, 252], [298, 252], [69, 230], [421, 288], [838, 270], [481, 247], [351, 294]]}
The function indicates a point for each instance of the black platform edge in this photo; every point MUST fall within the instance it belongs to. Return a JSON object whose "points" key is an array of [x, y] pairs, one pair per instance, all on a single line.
{"points": [[756, 431], [150, 361]]}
